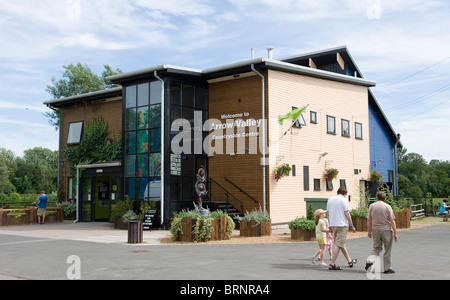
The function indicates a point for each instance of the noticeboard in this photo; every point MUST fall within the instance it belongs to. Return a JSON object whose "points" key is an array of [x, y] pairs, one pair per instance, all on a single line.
{"points": [[149, 218]]}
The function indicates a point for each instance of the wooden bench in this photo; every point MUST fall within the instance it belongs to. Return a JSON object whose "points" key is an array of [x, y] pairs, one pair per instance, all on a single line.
{"points": [[445, 219]]}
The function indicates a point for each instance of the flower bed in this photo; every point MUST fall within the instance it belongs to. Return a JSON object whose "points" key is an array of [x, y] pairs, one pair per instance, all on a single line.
{"points": [[255, 223]]}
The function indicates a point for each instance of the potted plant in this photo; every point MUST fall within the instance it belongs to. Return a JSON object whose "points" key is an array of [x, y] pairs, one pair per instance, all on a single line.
{"points": [[331, 173], [282, 170], [191, 226], [255, 223], [302, 229], [375, 176], [359, 218], [118, 210]]}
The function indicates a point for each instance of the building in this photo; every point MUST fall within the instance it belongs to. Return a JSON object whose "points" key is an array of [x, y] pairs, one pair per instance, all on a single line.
{"points": [[176, 120]]}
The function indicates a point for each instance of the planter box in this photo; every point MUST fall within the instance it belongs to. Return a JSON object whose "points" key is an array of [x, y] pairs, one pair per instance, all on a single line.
{"points": [[119, 224], [403, 218], [252, 228], [360, 223], [300, 235], [218, 232]]}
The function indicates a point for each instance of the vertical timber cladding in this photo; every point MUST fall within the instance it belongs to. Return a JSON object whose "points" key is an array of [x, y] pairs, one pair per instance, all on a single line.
{"points": [[303, 146], [239, 100]]}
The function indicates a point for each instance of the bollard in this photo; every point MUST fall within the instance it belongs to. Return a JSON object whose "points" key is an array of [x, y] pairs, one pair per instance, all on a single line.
{"points": [[135, 232]]}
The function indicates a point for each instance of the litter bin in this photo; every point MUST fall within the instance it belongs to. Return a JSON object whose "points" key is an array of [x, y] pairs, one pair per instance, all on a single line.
{"points": [[135, 232]]}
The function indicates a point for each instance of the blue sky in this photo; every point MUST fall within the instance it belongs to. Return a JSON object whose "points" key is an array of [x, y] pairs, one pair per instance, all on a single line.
{"points": [[402, 45]]}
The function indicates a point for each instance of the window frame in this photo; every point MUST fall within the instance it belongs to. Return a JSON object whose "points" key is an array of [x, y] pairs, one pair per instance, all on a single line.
{"points": [[328, 124], [342, 127], [74, 139], [311, 118], [356, 131]]}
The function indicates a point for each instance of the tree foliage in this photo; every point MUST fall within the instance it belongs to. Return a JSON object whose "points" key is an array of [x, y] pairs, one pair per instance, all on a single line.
{"points": [[417, 177], [76, 80], [36, 170]]}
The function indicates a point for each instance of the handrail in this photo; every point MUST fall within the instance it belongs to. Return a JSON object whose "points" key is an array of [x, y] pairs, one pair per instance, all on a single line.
{"points": [[227, 193], [241, 190]]}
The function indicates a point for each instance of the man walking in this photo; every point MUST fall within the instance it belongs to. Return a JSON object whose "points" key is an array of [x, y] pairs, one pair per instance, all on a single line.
{"points": [[339, 219], [381, 227]]}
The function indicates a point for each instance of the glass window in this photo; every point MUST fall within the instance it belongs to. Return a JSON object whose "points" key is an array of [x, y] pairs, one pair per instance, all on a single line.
{"points": [[142, 141], [74, 135], [142, 165], [155, 92], [175, 92], [143, 117], [130, 165], [143, 94], [331, 124], [155, 116], [130, 142], [130, 119], [201, 97], [313, 117], [317, 184], [130, 93], [155, 164], [155, 140], [358, 130], [345, 127]]}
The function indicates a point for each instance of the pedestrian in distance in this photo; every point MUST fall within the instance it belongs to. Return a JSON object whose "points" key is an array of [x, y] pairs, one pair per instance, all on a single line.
{"points": [[321, 235], [382, 229], [339, 218], [444, 209], [41, 204]]}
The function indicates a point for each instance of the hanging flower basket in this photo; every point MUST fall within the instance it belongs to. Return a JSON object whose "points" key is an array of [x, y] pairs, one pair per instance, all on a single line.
{"points": [[375, 176], [331, 173], [282, 170]]}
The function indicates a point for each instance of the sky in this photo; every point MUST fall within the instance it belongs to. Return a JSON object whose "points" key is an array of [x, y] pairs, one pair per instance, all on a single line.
{"points": [[402, 45]]}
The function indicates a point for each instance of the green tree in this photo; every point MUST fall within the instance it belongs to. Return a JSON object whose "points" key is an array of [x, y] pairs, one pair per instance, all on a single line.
{"points": [[37, 170], [76, 80], [8, 166]]}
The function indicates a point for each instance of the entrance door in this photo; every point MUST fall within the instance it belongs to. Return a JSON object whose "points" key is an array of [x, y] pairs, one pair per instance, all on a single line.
{"points": [[99, 192]]}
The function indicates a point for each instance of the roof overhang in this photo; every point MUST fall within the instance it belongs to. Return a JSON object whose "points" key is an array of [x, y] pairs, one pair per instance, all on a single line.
{"points": [[94, 96]]}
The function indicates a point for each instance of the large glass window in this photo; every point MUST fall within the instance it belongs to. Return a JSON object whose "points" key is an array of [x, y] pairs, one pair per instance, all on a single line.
{"points": [[142, 162]]}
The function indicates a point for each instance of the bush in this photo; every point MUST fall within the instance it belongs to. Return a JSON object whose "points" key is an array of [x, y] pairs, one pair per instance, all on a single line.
{"points": [[303, 224]]}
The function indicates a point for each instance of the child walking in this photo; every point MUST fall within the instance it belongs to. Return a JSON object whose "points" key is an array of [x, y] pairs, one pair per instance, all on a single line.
{"points": [[321, 235]]}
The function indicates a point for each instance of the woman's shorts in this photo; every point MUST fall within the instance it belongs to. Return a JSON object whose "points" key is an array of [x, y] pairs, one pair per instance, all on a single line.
{"points": [[322, 240]]}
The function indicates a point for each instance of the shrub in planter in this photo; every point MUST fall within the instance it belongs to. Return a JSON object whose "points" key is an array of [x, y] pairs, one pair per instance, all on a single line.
{"points": [[302, 229], [255, 223], [359, 218], [191, 226]]}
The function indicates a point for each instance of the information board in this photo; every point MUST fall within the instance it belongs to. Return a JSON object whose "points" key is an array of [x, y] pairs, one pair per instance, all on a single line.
{"points": [[149, 218]]}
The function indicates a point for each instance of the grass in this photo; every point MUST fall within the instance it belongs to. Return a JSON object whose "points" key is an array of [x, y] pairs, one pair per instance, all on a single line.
{"points": [[428, 221]]}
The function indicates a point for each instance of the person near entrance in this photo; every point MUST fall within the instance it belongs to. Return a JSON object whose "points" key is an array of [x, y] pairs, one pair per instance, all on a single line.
{"points": [[339, 218], [41, 204], [381, 227]]}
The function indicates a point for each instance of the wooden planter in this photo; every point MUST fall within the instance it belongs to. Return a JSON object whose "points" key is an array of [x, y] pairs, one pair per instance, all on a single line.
{"points": [[219, 229], [252, 228], [403, 218], [299, 235], [119, 224], [360, 223]]}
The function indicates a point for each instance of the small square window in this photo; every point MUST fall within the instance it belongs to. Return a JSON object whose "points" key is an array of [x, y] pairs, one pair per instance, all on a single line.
{"points": [[329, 185], [331, 125], [313, 117], [342, 183], [358, 131], [74, 135], [345, 127], [317, 184]]}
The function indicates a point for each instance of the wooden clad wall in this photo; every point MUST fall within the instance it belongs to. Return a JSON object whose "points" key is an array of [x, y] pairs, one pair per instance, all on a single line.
{"points": [[302, 146], [237, 96], [110, 111]]}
